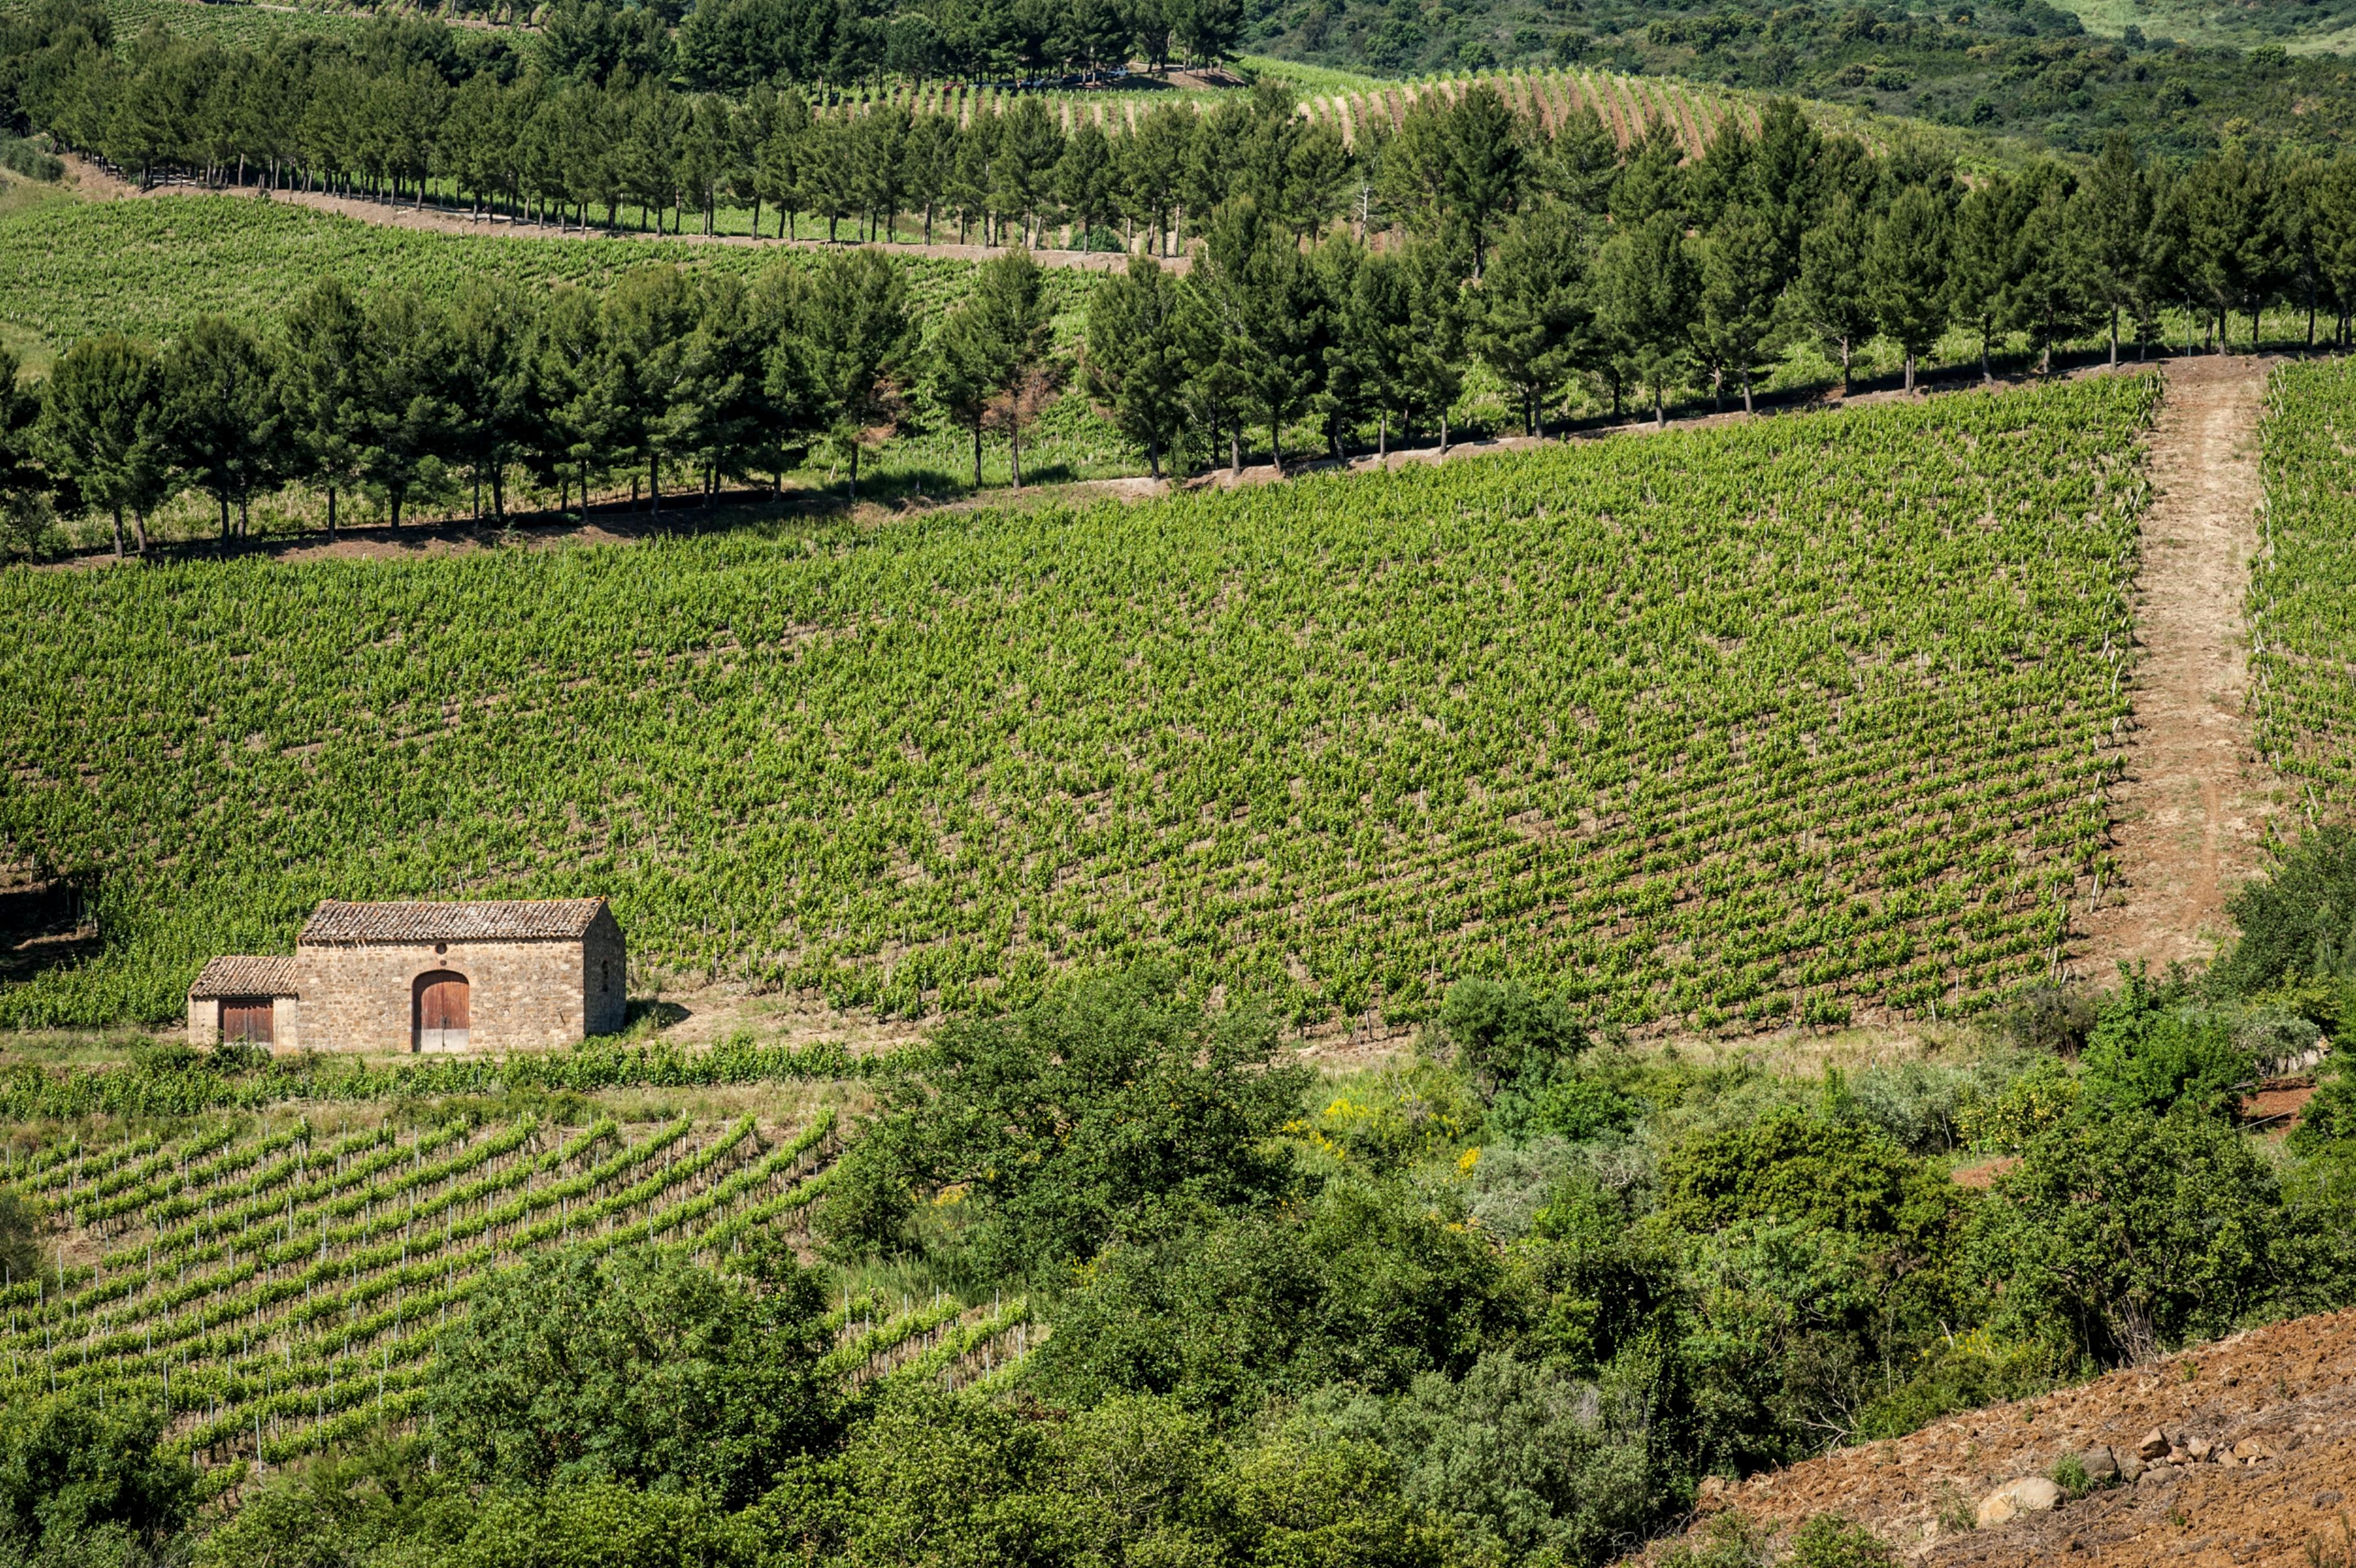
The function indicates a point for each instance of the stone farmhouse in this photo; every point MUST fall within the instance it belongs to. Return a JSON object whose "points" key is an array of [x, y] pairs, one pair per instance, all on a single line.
{"points": [[495, 976]]}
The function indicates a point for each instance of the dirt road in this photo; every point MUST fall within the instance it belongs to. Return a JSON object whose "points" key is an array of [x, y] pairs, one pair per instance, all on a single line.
{"points": [[2192, 809]]}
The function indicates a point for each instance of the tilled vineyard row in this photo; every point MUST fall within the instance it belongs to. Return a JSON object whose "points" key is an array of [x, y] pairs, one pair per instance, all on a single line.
{"points": [[1786, 721], [2302, 604], [280, 1291]]}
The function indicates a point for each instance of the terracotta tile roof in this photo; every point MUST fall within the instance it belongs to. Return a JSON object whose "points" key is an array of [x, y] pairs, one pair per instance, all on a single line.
{"points": [[242, 974], [493, 920]]}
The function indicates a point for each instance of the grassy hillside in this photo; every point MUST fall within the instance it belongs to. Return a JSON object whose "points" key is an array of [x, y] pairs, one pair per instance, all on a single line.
{"points": [[1667, 718]]}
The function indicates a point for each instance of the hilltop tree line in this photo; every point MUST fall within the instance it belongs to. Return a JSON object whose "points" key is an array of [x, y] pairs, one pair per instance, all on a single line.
{"points": [[1338, 290]]}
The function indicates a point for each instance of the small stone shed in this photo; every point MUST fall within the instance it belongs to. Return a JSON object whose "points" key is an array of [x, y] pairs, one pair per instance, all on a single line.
{"points": [[424, 977]]}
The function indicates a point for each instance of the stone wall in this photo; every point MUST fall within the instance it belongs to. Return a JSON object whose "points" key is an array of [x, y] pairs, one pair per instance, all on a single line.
{"points": [[605, 976], [519, 993]]}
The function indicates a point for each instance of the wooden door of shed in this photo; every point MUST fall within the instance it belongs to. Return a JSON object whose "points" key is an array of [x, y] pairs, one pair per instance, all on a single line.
{"points": [[250, 1020], [442, 1012]]}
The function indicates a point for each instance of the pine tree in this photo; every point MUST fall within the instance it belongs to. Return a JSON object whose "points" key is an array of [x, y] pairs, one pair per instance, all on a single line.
{"points": [[1136, 361], [100, 429], [1909, 272]]}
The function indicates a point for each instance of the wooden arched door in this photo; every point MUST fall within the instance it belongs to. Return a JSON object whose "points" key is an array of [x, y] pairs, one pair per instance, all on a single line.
{"points": [[441, 1011]]}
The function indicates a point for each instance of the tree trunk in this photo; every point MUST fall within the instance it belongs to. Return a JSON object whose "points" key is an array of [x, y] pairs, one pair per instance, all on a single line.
{"points": [[1747, 407], [331, 514], [118, 533], [1015, 438], [1154, 457], [1276, 445], [1909, 372], [654, 484], [1383, 436], [139, 530], [1235, 451], [1443, 432], [2114, 337], [224, 538], [1844, 368], [977, 454], [1660, 409]]}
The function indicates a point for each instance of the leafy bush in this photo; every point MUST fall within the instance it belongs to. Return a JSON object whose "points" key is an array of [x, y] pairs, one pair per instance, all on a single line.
{"points": [[637, 1370], [2049, 1019], [85, 1480], [1069, 1121], [2155, 1047], [2121, 1233], [31, 159], [1394, 1119], [1502, 1032], [2299, 923], [1368, 1284], [1562, 1105], [1795, 1165], [1829, 1540], [1966, 1373], [1526, 1456], [2042, 1097]]}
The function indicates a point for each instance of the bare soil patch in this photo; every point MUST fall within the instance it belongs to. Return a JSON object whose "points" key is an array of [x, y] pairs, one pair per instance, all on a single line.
{"points": [[2286, 1391], [2193, 811]]}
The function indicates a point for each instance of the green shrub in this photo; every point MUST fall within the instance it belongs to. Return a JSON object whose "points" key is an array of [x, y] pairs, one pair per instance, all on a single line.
{"points": [[2122, 1233], [1829, 1540], [2156, 1047], [2299, 923], [1502, 1032], [1062, 1122], [637, 1370]]}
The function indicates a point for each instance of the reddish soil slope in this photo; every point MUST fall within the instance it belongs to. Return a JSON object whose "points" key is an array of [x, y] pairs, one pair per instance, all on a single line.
{"points": [[2286, 1395]]}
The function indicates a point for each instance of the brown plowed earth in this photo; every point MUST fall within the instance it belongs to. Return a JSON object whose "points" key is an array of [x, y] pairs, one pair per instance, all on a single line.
{"points": [[2290, 1387], [2191, 813]]}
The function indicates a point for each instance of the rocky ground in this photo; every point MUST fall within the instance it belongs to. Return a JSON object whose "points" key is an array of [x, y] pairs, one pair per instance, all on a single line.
{"points": [[2240, 1452]]}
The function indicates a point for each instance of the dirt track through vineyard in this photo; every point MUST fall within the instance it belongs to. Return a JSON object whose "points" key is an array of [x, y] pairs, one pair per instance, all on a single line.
{"points": [[2192, 810]]}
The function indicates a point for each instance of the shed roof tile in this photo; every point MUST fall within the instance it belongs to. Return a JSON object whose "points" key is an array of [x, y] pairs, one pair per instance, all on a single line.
{"points": [[491, 920], [245, 975]]}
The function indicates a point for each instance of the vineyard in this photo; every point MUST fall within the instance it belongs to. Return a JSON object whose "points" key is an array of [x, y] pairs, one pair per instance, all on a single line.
{"points": [[2303, 583], [1806, 719], [281, 1290], [71, 270]]}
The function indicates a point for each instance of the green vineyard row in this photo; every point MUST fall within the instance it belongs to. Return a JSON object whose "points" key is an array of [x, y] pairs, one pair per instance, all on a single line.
{"points": [[2302, 599], [280, 1291], [1776, 721]]}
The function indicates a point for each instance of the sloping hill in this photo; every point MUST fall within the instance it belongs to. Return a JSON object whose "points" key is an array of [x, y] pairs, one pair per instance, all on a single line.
{"points": [[2274, 1409]]}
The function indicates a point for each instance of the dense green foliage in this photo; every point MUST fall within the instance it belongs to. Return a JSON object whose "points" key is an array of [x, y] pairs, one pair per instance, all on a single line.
{"points": [[1370, 1325], [1065, 1125], [918, 767], [2180, 75], [577, 1369]]}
